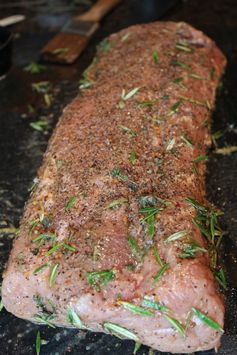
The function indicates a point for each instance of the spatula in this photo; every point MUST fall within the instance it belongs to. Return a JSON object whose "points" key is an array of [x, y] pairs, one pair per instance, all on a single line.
{"points": [[67, 45]]}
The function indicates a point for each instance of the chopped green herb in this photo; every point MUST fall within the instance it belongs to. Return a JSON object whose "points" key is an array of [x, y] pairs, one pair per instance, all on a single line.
{"points": [[148, 302], [125, 37], [45, 236], [40, 268], [53, 274], [193, 101], [202, 228], [116, 203], [180, 64], [45, 319], [126, 96], [120, 332], [41, 87], [135, 248], [174, 108], [220, 277], [148, 201], [133, 157], [151, 211], [70, 203], [184, 46], [195, 76], [98, 278], [191, 249], [170, 145], [142, 104], [60, 51], [34, 68], [175, 323], [136, 347], [40, 125], [176, 236], [217, 135], [212, 73], [128, 130], [207, 320], [104, 46], [196, 204], [155, 56], [59, 246], [178, 81], [74, 319], [1, 306], [161, 272], [200, 158], [48, 99], [187, 141], [157, 256], [38, 343], [135, 309], [117, 173], [85, 83]]}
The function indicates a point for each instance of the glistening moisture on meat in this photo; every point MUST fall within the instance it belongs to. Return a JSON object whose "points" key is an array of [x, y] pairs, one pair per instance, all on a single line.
{"points": [[118, 236]]}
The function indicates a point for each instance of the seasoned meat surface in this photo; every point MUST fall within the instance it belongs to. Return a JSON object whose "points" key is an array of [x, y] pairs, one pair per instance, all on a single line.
{"points": [[122, 174]]}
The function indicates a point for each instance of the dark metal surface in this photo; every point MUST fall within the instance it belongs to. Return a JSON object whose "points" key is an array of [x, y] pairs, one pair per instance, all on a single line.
{"points": [[21, 149]]}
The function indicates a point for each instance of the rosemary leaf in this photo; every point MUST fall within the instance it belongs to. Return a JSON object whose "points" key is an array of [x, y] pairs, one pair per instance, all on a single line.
{"points": [[70, 203], [180, 64], [98, 278], [126, 96], [135, 248], [136, 347], [170, 145], [128, 130], [74, 319], [34, 68], [38, 343], [44, 236], [116, 203], [175, 323], [195, 76], [135, 309], [53, 274], [40, 268], [161, 272], [1, 306], [157, 256], [120, 332], [133, 157], [155, 56], [187, 141], [148, 302], [176, 236], [174, 108], [200, 158], [207, 320]]}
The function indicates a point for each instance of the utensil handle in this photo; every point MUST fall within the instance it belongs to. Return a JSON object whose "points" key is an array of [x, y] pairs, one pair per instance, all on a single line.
{"points": [[98, 11]]}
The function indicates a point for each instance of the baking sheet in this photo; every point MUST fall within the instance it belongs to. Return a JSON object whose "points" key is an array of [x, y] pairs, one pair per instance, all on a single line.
{"points": [[21, 149]]}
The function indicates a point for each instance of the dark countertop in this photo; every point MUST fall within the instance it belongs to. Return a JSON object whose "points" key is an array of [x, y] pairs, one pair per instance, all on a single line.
{"points": [[22, 147]]}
